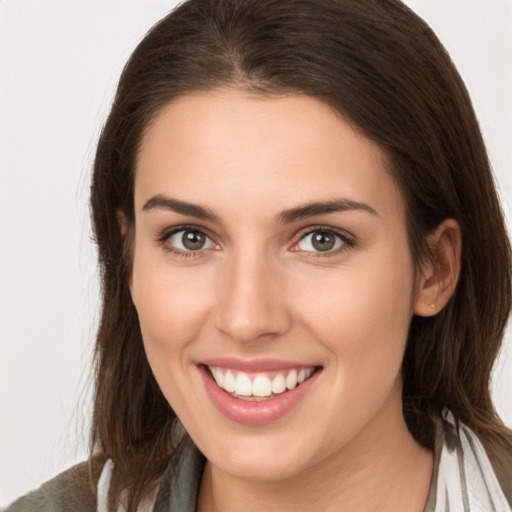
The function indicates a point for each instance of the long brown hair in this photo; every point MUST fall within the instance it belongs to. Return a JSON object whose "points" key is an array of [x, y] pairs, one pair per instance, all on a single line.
{"points": [[379, 65]]}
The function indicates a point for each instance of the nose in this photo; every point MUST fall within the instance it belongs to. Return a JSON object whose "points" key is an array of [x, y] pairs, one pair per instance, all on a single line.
{"points": [[251, 303]]}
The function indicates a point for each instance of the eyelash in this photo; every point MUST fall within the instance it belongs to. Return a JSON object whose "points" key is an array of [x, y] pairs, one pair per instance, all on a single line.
{"points": [[164, 236], [347, 241]]}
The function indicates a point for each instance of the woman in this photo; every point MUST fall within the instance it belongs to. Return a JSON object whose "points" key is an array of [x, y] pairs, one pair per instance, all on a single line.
{"points": [[287, 199]]}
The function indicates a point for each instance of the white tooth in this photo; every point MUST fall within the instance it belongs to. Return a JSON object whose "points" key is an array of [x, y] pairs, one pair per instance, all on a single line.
{"points": [[229, 382], [302, 376], [278, 384], [219, 377], [309, 371], [215, 373], [243, 385], [291, 379], [261, 386]]}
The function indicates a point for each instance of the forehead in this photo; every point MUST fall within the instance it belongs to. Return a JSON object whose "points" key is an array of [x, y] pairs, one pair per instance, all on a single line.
{"points": [[229, 146]]}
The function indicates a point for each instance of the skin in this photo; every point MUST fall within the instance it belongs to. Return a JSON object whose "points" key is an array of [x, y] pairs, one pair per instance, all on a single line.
{"points": [[258, 288]]}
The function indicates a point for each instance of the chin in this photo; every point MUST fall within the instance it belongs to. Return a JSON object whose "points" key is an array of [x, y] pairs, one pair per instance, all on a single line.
{"points": [[276, 468], [261, 458]]}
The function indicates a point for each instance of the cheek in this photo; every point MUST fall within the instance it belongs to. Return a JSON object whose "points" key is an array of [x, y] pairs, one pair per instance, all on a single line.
{"points": [[171, 306], [362, 315]]}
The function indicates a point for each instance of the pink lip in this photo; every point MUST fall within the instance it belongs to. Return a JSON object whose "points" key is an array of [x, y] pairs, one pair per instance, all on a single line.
{"points": [[254, 413], [253, 365]]}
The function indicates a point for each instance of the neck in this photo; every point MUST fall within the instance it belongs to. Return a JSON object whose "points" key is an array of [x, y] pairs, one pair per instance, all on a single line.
{"points": [[383, 469]]}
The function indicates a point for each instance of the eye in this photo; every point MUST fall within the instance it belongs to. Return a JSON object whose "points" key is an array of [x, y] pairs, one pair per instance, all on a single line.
{"points": [[189, 240], [321, 240]]}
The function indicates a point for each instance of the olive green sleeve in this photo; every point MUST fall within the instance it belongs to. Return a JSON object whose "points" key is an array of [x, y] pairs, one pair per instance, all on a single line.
{"points": [[71, 491]]}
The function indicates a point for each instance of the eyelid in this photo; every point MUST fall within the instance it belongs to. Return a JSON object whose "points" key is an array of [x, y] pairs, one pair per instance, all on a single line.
{"points": [[348, 240], [164, 235]]}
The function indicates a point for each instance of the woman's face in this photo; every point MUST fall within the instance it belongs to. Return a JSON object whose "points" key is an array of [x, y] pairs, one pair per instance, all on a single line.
{"points": [[271, 247]]}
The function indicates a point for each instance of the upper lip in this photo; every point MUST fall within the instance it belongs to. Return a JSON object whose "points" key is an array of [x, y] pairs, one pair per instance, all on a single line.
{"points": [[254, 365]]}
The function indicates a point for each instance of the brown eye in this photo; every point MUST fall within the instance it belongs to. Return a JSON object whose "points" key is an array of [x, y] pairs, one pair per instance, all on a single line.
{"points": [[321, 240], [193, 240], [189, 240]]}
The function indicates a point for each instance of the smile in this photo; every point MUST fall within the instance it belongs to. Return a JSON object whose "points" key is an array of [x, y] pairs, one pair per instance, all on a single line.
{"points": [[259, 386], [257, 392]]}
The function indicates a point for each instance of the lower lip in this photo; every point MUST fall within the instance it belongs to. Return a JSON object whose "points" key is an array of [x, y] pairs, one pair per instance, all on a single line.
{"points": [[255, 413]]}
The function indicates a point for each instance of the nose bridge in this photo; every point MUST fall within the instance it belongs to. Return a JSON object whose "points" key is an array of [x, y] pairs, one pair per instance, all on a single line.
{"points": [[250, 305]]}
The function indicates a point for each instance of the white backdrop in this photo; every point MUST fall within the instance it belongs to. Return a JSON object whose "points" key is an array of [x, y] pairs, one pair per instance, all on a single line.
{"points": [[59, 63]]}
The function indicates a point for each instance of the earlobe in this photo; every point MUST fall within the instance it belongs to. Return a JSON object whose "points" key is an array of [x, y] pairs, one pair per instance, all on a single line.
{"points": [[440, 274]]}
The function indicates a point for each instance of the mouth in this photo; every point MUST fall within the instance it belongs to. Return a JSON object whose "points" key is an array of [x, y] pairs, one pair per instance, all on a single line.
{"points": [[260, 386], [257, 392]]}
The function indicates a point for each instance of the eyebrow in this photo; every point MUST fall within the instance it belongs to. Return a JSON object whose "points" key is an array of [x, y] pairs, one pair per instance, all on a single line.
{"points": [[189, 209], [322, 208], [300, 212]]}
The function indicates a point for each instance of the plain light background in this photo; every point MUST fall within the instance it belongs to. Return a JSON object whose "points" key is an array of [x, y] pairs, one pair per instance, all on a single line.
{"points": [[59, 64]]}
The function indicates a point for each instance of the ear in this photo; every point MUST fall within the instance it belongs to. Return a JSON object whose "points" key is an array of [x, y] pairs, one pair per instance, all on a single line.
{"points": [[125, 231], [440, 273], [122, 222]]}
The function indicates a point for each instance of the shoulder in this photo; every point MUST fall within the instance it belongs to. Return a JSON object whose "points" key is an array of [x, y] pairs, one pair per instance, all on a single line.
{"points": [[70, 491], [465, 474]]}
